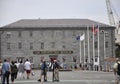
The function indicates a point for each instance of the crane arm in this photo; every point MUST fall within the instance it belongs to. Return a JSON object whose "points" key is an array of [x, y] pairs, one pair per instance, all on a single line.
{"points": [[110, 13]]}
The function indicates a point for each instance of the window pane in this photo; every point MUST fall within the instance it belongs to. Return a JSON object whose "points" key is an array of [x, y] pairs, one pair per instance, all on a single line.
{"points": [[31, 46], [42, 45], [8, 35], [53, 44], [96, 44], [8, 46], [106, 44], [19, 45], [19, 34], [96, 58], [31, 33]]}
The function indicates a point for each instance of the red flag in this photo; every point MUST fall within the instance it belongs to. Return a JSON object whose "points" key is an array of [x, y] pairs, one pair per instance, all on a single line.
{"points": [[95, 29]]}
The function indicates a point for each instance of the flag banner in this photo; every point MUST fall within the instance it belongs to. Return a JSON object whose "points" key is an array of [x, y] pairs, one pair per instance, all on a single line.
{"points": [[82, 37], [78, 38], [95, 29]]}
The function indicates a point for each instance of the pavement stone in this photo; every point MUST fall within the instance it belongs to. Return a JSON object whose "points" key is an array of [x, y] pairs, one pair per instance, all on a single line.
{"points": [[72, 77]]}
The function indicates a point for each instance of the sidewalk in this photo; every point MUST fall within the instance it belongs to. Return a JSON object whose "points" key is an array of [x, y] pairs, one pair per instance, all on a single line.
{"points": [[65, 82], [72, 77]]}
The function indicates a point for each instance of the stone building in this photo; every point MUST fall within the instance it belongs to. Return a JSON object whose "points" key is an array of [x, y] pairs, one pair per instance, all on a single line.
{"points": [[50, 39]]}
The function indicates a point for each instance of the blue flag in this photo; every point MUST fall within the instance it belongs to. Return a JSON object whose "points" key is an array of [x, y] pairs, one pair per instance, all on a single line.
{"points": [[78, 38]]}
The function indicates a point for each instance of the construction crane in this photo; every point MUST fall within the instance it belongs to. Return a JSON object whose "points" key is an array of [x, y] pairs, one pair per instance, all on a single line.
{"points": [[111, 15]]}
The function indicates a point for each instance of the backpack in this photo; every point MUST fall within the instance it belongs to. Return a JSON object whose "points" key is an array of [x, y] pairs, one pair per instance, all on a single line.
{"points": [[118, 71], [14, 69], [43, 66]]}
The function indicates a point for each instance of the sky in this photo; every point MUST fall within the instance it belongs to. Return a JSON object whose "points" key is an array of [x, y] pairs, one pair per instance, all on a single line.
{"points": [[14, 10]]}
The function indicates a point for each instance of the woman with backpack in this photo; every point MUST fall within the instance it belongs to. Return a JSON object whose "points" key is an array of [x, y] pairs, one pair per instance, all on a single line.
{"points": [[14, 69]]}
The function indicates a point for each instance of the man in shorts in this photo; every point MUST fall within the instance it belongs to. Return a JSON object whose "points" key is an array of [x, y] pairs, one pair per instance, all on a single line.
{"points": [[28, 68], [116, 70]]}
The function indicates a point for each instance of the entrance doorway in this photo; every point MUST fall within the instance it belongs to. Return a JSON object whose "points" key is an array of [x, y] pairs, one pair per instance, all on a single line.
{"points": [[53, 57], [20, 59]]}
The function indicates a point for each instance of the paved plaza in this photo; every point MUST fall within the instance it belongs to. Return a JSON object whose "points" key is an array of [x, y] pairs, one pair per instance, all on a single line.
{"points": [[72, 77]]}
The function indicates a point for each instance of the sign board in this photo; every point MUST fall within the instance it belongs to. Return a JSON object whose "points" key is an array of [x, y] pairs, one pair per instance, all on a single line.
{"points": [[52, 52]]}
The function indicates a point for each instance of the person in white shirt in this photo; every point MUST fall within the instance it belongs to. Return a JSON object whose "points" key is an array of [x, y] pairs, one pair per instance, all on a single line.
{"points": [[28, 68]]}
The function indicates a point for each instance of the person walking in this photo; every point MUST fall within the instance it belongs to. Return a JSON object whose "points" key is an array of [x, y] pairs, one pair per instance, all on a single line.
{"points": [[43, 75], [14, 70], [39, 80], [28, 68], [116, 69], [1, 70], [17, 64], [1, 67], [6, 70], [52, 69], [56, 71], [21, 70]]}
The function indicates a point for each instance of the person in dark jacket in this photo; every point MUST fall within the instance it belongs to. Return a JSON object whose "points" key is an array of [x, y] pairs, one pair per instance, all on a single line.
{"points": [[14, 69], [43, 71]]}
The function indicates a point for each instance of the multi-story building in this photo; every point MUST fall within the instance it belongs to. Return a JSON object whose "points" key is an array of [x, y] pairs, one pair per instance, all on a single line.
{"points": [[67, 40]]}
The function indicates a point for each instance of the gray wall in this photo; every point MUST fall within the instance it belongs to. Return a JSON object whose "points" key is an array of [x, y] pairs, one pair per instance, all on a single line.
{"points": [[54, 40]]}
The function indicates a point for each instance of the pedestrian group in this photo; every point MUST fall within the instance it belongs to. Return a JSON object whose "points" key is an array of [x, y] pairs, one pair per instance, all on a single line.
{"points": [[10, 69]]}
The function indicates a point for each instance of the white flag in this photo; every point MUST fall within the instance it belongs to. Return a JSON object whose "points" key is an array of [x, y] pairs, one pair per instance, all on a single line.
{"points": [[82, 37]]}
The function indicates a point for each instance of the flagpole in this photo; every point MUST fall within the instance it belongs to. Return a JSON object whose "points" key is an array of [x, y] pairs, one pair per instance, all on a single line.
{"points": [[88, 44], [82, 38], [93, 48], [84, 49], [98, 48], [80, 49]]}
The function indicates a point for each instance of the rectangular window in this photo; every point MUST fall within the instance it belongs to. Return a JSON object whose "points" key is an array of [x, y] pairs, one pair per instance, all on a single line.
{"points": [[63, 34], [52, 34], [96, 45], [41, 33], [31, 46], [20, 59], [8, 35], [53, 44], [74, 34], [19, 34], [19, 45], [8, 46], [63, 46], [106, 44], [42, 45], [31, 33], [31, 59], [96, 58]]}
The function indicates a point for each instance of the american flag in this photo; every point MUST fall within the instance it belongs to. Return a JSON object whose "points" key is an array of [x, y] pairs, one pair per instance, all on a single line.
{"points": [[95, 29]]}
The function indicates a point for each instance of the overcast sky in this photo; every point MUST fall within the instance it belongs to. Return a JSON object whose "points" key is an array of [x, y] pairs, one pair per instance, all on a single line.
{"points": [[14, 10]]}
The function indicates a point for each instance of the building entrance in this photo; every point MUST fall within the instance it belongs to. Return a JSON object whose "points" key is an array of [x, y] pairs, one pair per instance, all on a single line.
{"points": [[53, 57], [20, 59]]}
